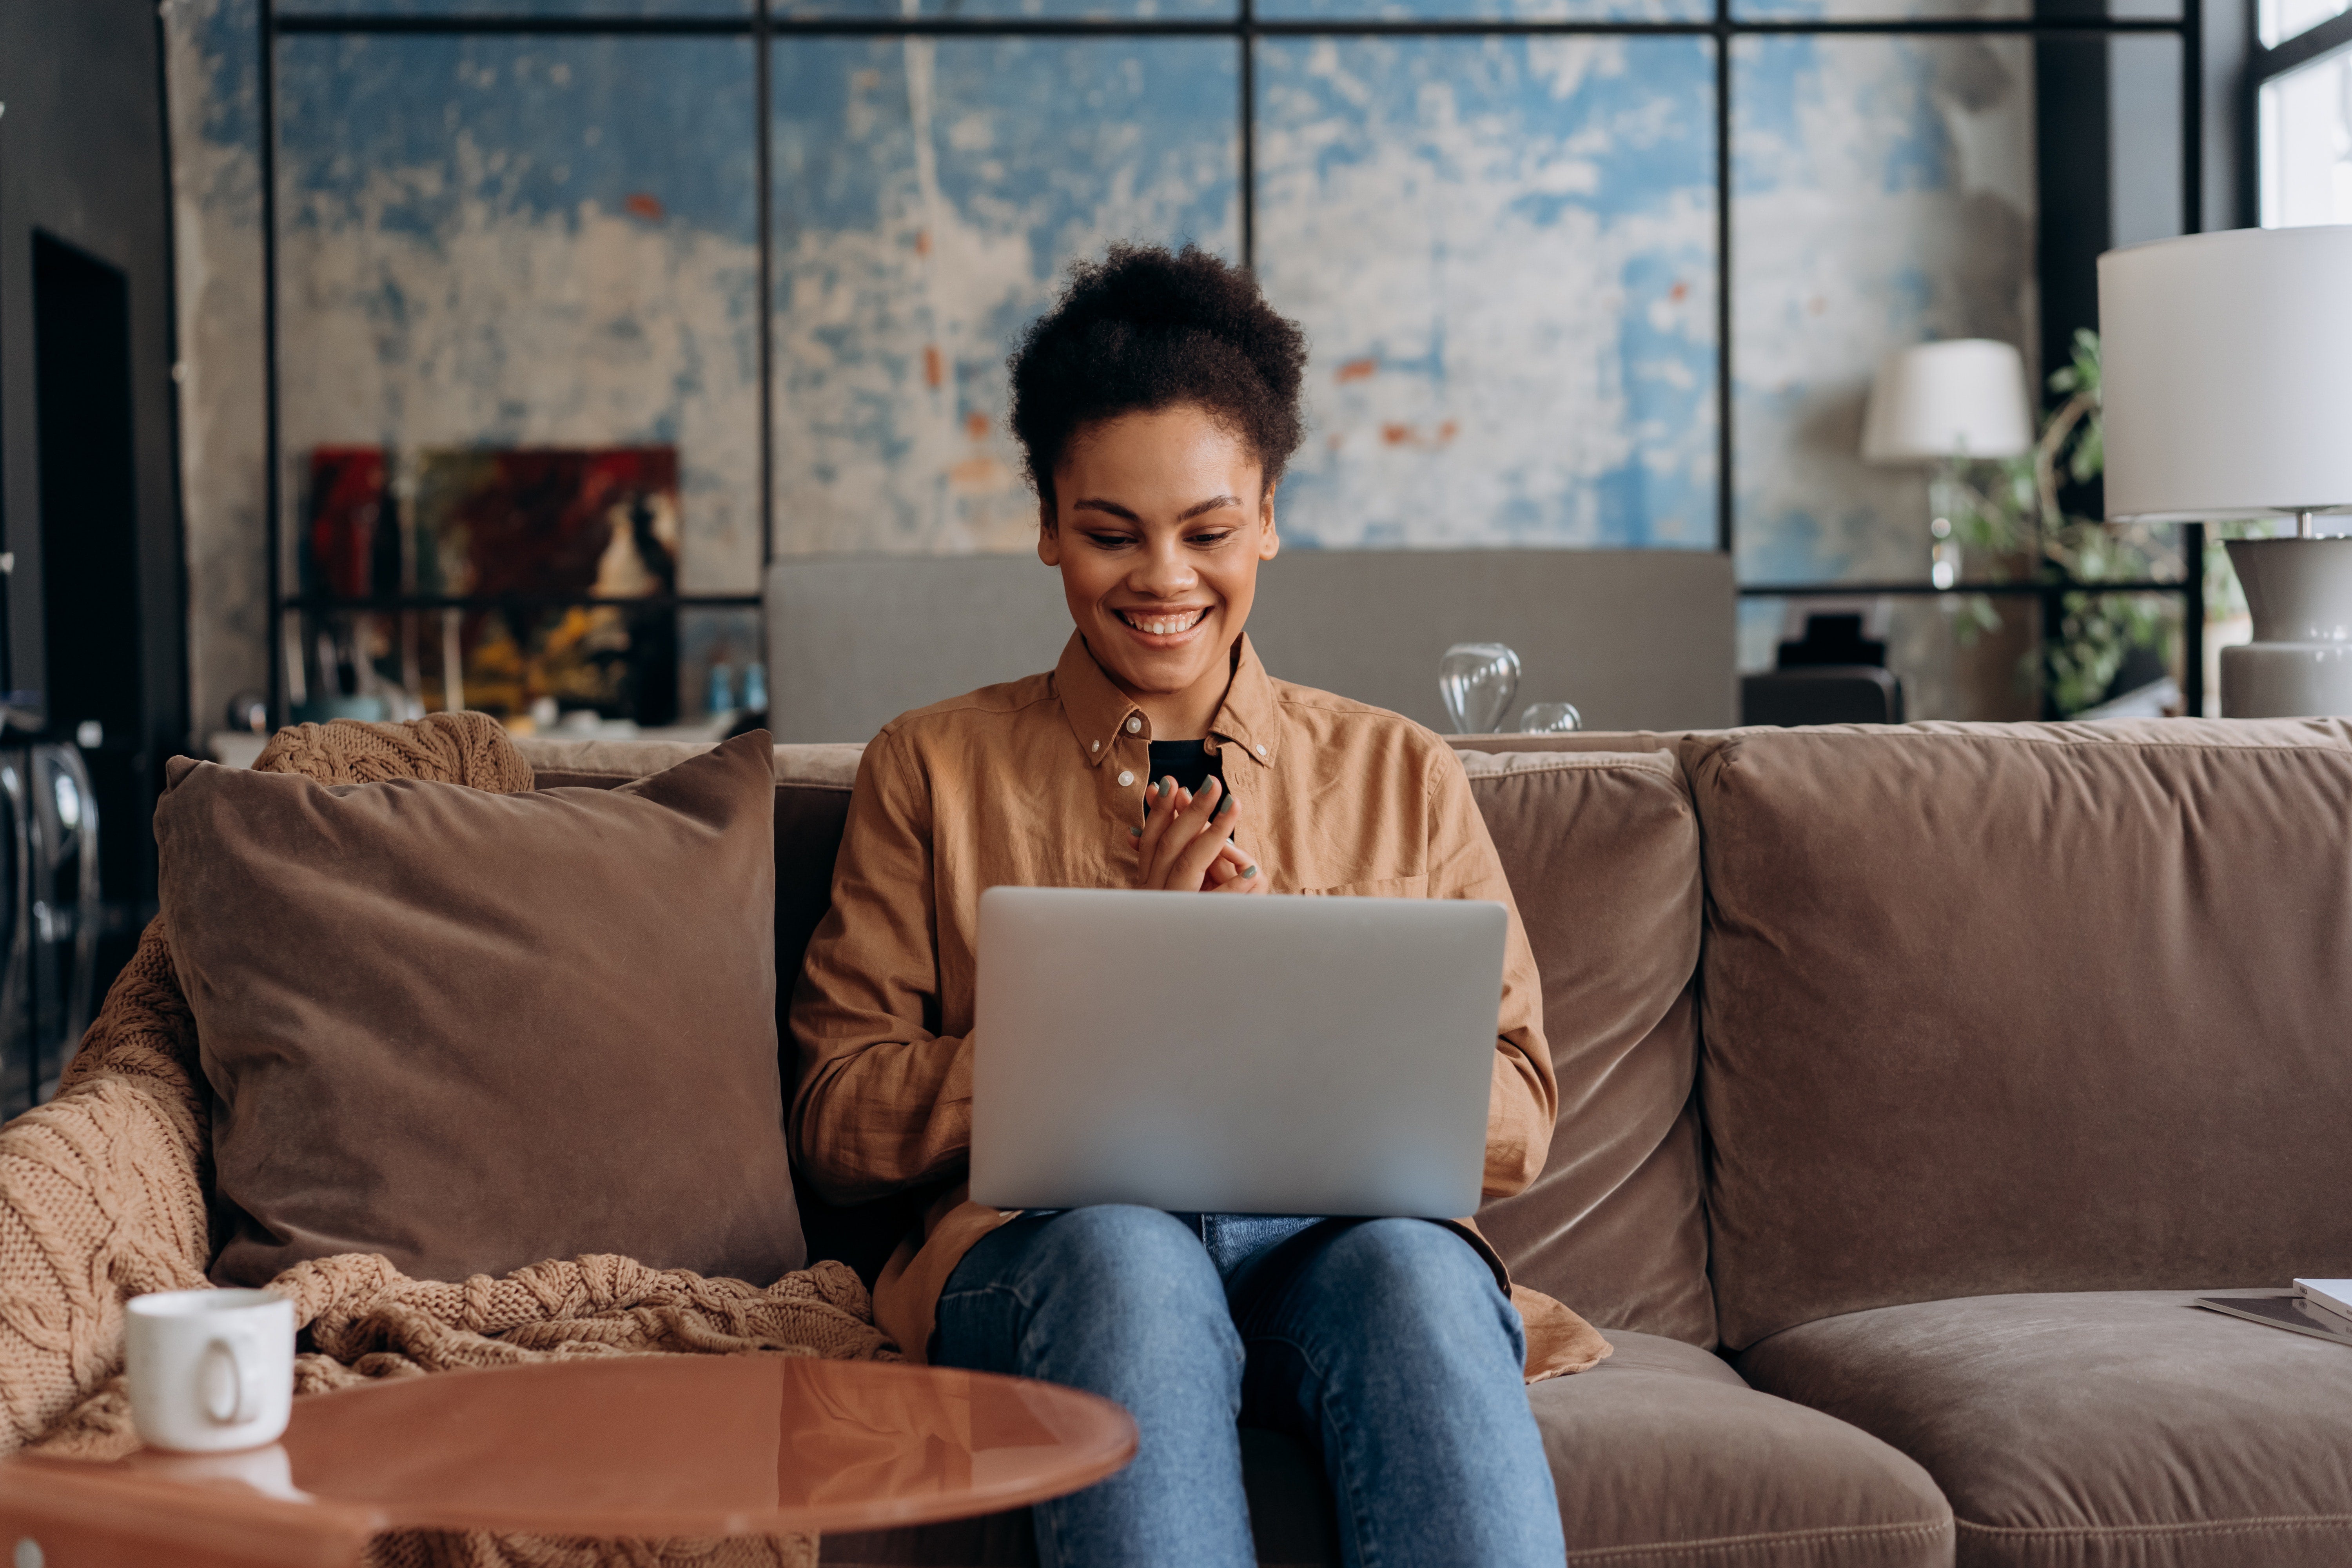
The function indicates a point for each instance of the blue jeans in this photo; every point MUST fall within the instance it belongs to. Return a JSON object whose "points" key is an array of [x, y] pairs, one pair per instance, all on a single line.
{"points": [[1384, 1345]]}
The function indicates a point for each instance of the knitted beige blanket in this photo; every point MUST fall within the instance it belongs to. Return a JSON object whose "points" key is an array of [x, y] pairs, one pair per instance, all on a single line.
{"points": [[102, 1197]]}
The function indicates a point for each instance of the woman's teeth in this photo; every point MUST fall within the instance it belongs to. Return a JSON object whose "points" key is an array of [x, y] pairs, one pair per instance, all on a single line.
{"points": [[1164, 626]]}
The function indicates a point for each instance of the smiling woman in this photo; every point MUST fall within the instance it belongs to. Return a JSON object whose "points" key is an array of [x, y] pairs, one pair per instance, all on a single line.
{"points": [[1156, 408], [1157, 405], [1159, 521]]}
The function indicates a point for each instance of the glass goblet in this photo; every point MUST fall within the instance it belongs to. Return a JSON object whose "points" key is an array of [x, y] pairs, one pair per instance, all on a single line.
{"points": [[1550, 719], [1477, 681]]}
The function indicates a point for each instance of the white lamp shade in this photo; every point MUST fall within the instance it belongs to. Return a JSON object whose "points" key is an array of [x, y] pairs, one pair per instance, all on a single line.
{"points": [[1965, 398], [2227, 363]]}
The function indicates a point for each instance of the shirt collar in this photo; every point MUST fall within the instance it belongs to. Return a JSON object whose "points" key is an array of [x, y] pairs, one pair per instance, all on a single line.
{"points": [[1247, 718], [1098, 710]]}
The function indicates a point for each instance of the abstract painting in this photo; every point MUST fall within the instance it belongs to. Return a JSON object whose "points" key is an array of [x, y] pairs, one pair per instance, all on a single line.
{"points": [[538, 522]]}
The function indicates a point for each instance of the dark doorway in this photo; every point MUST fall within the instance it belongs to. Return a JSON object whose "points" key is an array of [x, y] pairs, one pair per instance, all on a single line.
{"points": [[90, 554], [90, 514]]}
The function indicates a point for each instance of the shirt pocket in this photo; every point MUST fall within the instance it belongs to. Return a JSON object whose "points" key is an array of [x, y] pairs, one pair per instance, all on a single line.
{"points": [[1378, 888]]}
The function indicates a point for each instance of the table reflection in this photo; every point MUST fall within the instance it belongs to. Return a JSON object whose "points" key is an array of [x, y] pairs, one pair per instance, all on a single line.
{"points": [[896, 1437], [669, 1445], [266, 1472]]}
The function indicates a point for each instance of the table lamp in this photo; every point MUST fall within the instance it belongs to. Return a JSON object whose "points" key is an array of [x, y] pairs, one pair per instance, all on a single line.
{"points": [[2227, 373], [1939, 405]]}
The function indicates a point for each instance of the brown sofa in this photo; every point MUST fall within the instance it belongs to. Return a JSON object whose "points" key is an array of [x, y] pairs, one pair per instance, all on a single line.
{"points": [[1912, 1081]]}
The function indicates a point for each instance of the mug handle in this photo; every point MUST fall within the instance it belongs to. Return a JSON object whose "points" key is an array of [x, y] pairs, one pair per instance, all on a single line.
{"points": [[245, 1386]]}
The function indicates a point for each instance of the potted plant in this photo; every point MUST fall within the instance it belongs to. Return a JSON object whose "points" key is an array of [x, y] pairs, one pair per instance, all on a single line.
{"points": [[2014, 512]]}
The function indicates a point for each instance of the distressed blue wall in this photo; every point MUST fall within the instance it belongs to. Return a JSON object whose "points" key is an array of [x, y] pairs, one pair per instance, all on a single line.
{"points": [[1503, 252], [929, 191], [1503, 249]]}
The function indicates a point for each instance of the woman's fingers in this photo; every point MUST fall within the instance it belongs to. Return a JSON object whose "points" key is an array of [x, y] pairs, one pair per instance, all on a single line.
{"points": [[1190, 814], [1163, 833], [1242, 870], [1194, 811], [1189, 867], [1158, 811], [1236, 870], [1185, 840]]}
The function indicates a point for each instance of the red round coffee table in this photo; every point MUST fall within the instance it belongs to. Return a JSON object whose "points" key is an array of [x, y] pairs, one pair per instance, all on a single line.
{"points": [[638, 1446]]}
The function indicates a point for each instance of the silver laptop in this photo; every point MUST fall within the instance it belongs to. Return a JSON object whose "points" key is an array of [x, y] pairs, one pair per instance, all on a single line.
{"points": [[1231, 1054]]}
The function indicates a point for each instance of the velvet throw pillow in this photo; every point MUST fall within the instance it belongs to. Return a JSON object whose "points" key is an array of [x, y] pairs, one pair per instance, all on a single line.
{"points": [[473, 1031]]}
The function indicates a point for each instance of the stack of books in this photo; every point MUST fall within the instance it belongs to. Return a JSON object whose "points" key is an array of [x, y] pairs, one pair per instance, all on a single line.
{"points": [[2320, 1308]]}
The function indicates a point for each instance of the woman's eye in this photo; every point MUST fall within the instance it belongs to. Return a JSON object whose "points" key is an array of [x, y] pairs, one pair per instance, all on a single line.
{"points": [[1218, 537], [1109, 541]]}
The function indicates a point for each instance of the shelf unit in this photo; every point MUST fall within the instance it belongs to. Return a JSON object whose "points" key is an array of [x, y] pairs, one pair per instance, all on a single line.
{"points": [[2052, 595]]}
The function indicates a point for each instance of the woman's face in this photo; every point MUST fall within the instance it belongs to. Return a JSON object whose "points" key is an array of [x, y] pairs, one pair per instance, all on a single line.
{"points": [[1158, 524]]}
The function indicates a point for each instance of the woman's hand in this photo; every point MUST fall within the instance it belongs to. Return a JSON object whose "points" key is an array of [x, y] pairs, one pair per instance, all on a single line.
{"points": [[1185, 842]]}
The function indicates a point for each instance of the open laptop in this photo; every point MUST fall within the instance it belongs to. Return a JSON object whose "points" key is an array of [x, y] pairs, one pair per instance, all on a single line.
{"points": [[1231, 1054]]}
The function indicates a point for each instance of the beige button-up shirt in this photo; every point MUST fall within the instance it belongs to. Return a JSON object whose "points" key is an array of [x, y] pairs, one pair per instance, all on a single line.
{"points": [[1037, 783]]}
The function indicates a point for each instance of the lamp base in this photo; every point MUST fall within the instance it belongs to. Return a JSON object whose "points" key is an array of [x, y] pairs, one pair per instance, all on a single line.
{"points": [[2299, 664], [2287, 680]]}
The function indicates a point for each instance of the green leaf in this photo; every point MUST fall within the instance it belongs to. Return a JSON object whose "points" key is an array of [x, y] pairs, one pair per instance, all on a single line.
{"points": [[2090, 453]]}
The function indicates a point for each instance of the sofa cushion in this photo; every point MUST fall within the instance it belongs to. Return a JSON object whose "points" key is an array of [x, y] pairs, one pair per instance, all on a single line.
{"points": [[1664, 1458], [2086, 1429], [1991, 1008], [473, 1031], [1602, 854], [812, 785]]}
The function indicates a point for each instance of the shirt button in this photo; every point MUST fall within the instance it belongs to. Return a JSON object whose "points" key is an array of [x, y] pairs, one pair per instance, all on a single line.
{"points": [[1125, 779], [1134, 724], [1261, 751], [1094, 745]]}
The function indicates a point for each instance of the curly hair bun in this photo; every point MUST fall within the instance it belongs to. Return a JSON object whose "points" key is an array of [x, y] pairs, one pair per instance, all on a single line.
{"points": [[1147, 329]]}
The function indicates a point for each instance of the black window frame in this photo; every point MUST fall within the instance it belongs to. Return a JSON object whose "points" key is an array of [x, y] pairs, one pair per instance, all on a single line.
{"points": [[2267, 63]]}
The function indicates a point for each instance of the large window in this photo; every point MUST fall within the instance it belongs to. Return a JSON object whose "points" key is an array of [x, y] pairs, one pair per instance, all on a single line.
{"points": [[2303, 108], [1577, 273]]}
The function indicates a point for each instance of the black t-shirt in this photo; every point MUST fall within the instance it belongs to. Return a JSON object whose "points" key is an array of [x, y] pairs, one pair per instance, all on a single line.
{"points": [[1189, 762]]}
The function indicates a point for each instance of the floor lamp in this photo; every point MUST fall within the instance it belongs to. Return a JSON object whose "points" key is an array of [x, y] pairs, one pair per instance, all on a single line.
{"points": [[1937, 406]]}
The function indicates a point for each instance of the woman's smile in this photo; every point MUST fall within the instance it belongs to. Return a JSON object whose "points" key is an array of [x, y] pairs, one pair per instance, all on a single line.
{"points": [[1159, 628]]}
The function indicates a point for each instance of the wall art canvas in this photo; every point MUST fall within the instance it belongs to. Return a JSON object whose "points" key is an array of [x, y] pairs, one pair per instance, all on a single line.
{"points": [[491, 522], [535, 523], [350, 541]]}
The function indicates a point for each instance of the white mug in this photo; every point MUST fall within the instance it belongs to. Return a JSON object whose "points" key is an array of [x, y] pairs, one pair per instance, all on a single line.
{"points": [[211, 1370]]}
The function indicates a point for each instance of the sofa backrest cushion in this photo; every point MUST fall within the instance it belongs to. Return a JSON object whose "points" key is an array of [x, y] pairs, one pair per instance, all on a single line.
{"points": [[1994, 1008], [1602, 854], [474, 1031], [812, 786]]}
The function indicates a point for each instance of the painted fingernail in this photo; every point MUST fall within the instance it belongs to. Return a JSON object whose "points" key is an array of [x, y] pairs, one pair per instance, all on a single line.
{"points": [[1249, 870], [1225, 806], [1167, 786], [1135, 833]]}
